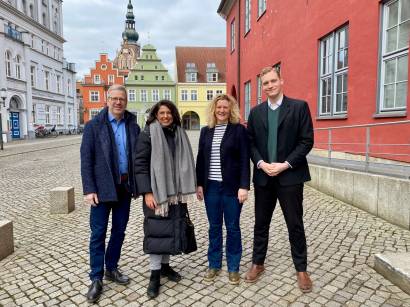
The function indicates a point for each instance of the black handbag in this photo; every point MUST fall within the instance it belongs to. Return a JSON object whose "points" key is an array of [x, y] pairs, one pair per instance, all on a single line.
{"points": [[188, 235]]}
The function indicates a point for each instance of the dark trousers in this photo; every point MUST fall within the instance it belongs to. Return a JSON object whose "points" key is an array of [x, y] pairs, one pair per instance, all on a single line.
{"points": [[99, 217], [219, 207], [290, 199]]}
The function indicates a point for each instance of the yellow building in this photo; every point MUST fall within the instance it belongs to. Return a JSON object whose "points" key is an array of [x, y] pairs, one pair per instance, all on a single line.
{"points": [[200, 76]]}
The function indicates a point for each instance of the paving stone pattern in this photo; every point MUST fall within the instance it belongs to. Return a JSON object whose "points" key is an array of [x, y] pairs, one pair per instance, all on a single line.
{"points": [[50, 263]]}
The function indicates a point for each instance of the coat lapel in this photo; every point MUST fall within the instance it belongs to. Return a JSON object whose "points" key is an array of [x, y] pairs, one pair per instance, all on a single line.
{"points": [[105, 140], [264, 114], [284, 110]]}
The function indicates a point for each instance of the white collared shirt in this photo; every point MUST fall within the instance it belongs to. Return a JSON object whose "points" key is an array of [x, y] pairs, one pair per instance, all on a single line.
{"points": [[277, 104]]}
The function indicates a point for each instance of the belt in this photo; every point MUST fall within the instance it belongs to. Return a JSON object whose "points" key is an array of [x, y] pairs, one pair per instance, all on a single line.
{"points": [[124, 178]]}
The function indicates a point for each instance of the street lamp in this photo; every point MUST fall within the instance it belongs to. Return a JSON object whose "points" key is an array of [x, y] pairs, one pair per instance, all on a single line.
{"points": [[3, 96]]}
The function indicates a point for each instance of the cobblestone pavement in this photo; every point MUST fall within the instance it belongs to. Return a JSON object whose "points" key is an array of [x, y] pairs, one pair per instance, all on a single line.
{"points": [[50, 263]]}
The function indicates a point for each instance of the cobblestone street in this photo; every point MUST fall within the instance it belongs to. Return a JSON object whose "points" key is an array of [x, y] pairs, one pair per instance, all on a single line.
{"points": [[50, 262]]}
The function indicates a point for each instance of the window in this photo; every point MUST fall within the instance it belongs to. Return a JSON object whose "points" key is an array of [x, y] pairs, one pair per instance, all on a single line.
{"points": [[155, 95], [44, 20], [42, 46], [184, 95], [131, 95], [191, 77], [111, 79], [233, 35], [162, 78], [247, 16], [156, 78], [258, 89], [33, 112], [33, 76], [31, 11], [58, 81], [47, 80], [8, 63], [94, 113], [18, 67], [136, 78], [103, 67], [333, 73], [142, 77], [94, 96], [70, 116], [47, 111], [212, 77], [395, 56], [32, 41], [261, 7], [219, 92], [247, 99], [143, 95], [97, 79], [69, 87], [167, 94], [194, 95], [209, 95], [59, 121]]}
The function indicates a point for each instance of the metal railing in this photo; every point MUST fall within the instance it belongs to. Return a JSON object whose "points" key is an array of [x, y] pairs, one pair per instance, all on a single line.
{"points": [[13, 33], [378, 155]]}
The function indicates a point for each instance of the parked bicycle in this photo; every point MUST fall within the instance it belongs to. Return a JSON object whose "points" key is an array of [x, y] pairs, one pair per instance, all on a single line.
{"points": [[42, 132]]}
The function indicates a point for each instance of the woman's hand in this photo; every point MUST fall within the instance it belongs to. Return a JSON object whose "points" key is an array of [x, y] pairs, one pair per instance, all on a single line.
{"points": [[150, 201], [199, 193], [242, 195]]}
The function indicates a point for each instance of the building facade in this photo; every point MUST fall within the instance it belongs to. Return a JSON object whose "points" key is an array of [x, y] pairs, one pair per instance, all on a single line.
{"points": [[348, 59], [147, 83], [93, 89], [126, 57], [40, 83], [200, 76]]}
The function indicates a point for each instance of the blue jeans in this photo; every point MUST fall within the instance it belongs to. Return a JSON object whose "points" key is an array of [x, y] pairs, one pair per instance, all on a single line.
{"points": [[220, 206], [99, 217]]}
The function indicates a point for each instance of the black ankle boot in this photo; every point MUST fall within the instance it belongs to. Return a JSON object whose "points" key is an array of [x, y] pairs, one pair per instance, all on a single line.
{"points": [[169, 272], [154, 283]]}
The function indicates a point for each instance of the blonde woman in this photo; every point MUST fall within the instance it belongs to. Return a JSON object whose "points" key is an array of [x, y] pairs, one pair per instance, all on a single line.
{"points": [[223, 178]]}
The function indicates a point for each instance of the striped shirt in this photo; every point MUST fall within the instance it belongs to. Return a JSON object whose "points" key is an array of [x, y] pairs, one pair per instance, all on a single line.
{"points": [[215, 162]]}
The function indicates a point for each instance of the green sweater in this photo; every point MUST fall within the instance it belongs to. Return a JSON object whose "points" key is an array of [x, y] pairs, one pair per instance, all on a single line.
{"points": [[273, 118]]}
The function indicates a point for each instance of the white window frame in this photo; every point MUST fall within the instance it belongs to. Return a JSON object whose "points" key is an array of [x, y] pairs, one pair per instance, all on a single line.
{"points": [[247, 99], [58, 115], [93, 113], [219, 92], [399, 53], [209, 95], [155, 95], [333, 100], [18, 67], [8, 57], [111, 79], [233, 35], [143, 95], [94, 96], [212, 77], [58, 83], [47, 80], [261, 7], [258, 89], [33, 75], [247, 18], [167, 94], [184, 95], [47, 113], [97, 79], [191, 77], [194, 95], [132, 95]]}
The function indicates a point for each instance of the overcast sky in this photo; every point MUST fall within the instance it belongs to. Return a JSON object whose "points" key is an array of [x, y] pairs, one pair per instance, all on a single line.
{"points": [[95, 26]]}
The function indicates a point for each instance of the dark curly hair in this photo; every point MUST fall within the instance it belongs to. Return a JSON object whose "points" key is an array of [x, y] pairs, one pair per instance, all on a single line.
{"points": [[170, 105]]}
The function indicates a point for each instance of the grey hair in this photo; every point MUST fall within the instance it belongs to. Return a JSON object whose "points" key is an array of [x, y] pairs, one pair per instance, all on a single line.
{"points": [[117, 87]]}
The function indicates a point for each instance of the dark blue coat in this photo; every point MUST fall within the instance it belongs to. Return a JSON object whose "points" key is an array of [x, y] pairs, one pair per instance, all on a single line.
{"points": [[235, 158], [99, 157]]}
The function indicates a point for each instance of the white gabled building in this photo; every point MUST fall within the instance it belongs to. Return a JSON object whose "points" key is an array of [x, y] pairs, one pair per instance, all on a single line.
{"points": [[40, 83]]}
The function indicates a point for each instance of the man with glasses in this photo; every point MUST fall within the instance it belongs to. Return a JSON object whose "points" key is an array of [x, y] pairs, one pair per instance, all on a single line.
{"points": [[107, 172]]}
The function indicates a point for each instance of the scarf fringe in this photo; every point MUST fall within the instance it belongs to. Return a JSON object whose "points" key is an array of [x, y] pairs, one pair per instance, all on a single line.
{"points": [[163, 209]]}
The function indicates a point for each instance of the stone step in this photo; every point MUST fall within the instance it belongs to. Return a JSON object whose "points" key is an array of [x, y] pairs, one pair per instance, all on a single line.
{"points": [[6, 239], [395, 267]]}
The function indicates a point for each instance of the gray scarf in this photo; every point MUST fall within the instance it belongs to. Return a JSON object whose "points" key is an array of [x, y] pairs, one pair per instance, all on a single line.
{"points": [[172, 180]]}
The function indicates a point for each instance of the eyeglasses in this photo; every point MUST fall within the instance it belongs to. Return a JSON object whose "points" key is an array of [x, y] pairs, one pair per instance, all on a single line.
{"points": [[115, 99]]}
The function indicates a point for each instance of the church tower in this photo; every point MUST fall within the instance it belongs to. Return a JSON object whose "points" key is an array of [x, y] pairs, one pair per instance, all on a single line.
{"points": [[130, 49]]}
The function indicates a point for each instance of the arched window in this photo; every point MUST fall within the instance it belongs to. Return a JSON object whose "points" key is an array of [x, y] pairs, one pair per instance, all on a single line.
{"points": [[18, 67], [8, 63], [31, 11], [44, 20], [24, 3]]}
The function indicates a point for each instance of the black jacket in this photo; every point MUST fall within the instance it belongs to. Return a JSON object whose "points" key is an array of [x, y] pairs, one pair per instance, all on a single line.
{"points": [[235, 162], [162, 235], [295, 140], [99, 157]]}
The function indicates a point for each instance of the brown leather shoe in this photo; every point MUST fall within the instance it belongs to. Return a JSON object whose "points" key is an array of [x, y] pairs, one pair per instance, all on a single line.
{"points": [[254, 273], [304, 282]]}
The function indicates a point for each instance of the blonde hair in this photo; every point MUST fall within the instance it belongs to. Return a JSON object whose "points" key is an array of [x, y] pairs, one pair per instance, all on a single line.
{"points": [[268, 69], [234, 116], [117, 87]]}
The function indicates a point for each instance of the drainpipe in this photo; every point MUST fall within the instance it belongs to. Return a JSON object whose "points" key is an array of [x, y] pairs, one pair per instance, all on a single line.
{"points": [[239, 54]]}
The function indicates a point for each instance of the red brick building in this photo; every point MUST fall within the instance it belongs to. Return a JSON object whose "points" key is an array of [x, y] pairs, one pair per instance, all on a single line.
{"points": [[93, 88], [348, 59]]}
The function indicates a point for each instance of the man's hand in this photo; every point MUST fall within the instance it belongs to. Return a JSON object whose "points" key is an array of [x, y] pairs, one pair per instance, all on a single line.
{"points": [[242, 195], [199, 193], [150, 201], [273, 169], [91, 199]]}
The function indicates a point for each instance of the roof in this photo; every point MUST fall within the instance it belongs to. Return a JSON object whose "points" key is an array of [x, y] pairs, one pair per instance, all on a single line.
{"points": [[200, 56]]}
